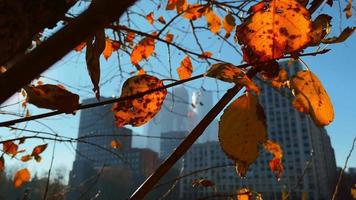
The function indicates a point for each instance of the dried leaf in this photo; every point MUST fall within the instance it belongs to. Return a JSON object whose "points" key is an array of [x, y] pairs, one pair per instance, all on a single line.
{"points": [[94, 50], [2, 164], [229, 73], [52, 97], [80, 47], [242, 128], [39, 149], [10, 148], [169, 37], [301, 104], [279, 27], [321, 27], [110, 46], [181, 5], [115, 144], [347, 10], [276, 163], [205, 55], [202, 183], [213, 20], [171, 4], [143, 50], [185, 69], [21, 176], [306, 84], [149, 18], [228, 24], [162, 20], [26, 158], [138, 111], [281, 79], [346, 33], [130, 36], [194, 11]]}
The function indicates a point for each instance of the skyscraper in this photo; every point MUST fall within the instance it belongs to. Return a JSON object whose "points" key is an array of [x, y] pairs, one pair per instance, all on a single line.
{"points": [[305, 173]]}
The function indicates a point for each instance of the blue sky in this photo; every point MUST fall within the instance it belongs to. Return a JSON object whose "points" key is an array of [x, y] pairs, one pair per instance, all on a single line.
{"points": [[335, 69]]}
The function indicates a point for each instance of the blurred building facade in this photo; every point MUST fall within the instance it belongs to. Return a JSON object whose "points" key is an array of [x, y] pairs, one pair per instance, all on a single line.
{"points": [[307, 150]]}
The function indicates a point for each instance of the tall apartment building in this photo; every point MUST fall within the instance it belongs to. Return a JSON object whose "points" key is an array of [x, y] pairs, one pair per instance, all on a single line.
{"points": [[298, 136]]}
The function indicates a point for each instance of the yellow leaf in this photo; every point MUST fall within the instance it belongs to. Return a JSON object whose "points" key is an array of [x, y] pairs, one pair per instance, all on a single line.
{"points": [[52, 97], [143, 50], [138, 111], [213, 20], [185, 69], [276, 163], [229, 73], [115, 144], [305, 83], [242, 128], [275, 28], [21, 176]]}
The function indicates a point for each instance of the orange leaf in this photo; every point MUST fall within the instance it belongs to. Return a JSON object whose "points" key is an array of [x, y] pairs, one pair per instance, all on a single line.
{"points": [[244, 194], [206, 54], [181, 5], [185, 69], [277, 28], [171, 4], [169, 37], [130, 36], [26, 158], [213, 20], [115, 144], [2, 164], [162, 20], [110, 46], [10, 148], [228, 24], [143, 50], [149, 18], [21, 176], [139, 111], [194, 12], [39, 149], [80, 47], [52, 97], [276, 163]]}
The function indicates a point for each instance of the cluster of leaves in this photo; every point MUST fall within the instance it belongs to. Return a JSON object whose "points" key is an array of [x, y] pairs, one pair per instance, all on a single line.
{"points": [[12, 149]]}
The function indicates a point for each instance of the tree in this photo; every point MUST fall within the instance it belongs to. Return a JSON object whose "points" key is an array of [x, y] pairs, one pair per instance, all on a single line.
{"points": [[266, 32]]}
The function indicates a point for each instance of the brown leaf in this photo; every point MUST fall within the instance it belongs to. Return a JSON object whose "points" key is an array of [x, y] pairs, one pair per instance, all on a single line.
{"points": [[347, 10], [276, 163], [346, 33], [321, 27], [52, 97], [139, 111], [39, 149], [277, 28], [10, 148], [353, 191], [94, 50], [229, 73], [205, 55], [202, 183], [306, 84], [213, 20], [26, 158], [21, 176], [130, 36], [169, 37], [161, 20], [228, 24], [242, 128], [143, 50], [185, 69], [115, 144]]}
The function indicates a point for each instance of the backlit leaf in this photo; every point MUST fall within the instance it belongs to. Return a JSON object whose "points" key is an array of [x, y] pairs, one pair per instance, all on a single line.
{"points": [[214, 22], [39, 149], [26, 158], [169, 37], [185, 69], [346, 33], [139, 111], [229, 73], [276, 163], [242, 128], [10, 148], [206, 54], [306, 84], [143, 50], [202, 183], [2, 164], [194, 12], [52, 97], [21, 176], [353, 191], [171, 4], [92, 56], [110, 46], [281, 79], [149, 18], [228, 24], [179, 5], [244, 194], [277, 28], [115, 144], [130, 36]]}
